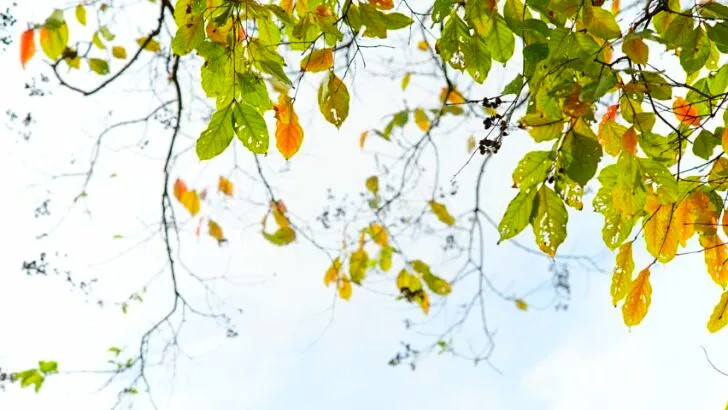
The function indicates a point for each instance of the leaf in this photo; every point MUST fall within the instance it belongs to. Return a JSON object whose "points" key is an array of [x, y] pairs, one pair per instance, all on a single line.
{"points": [[406, 80], [333, 272], [358, 265], [152, 45], [610, 135], [719, 317], [601, 23], [581, 156], [214, 230], [517, 215], [30, 377], [282, 236], [685, 112], [27, 46], [81, 14], [217, 136], [622, 273], [289, 134], [661, 234], [478, 16], [372, 184], [436, 284], [635, 48], [532, 169], [629, 141], [333, 100], [54, 37], [423, 123], [385, 258], [521, 304], [318, 60], [695, 52], [179, 189], [190, 29], [98, 66], [48, 367], [363, 138], [501, 41], [638, 299], [549, 220], [191, 201], [344, 286], [440, 210], [382, 4], [716, 258], [118, 52], [225, 186]]}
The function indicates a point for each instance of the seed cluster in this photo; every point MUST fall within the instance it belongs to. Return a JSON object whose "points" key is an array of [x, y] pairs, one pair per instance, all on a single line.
{"points": [[491, 146]]}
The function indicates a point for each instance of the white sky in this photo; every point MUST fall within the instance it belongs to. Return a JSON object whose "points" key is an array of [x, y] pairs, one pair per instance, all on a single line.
{"points": [[583, 358]]}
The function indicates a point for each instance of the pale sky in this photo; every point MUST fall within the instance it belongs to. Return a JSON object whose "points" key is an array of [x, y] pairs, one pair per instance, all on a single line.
{"points": [[289, 352]]}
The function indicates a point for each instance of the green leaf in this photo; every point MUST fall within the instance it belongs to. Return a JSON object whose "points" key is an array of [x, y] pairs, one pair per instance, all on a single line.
{"points": [[601, 23], [30, 377], [54, 38], [479, 63], [679, 31], [695, 51], [437, 284], [254, 91], [517, 215], [581, 157], [454, 43], [396, 21], [106, 33], [217, 136], [251, 129], [283, 236], [478, 17], [719, 34], [358, 265], [372, 184], [705, 144], [515, 86], [532, 169], [151, 45], [441, 9], [98, 66], [48, 367], [549, 220], [81, 14], [515, 13], [385, 258], [501, 41], [189, 34], [333, 100]]}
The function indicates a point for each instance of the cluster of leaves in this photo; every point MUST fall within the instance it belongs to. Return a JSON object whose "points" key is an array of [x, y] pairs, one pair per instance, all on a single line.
{"points": [[33, 377]]}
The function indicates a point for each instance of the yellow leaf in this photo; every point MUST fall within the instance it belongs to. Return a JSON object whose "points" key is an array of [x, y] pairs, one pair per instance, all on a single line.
{"points": [[719, 318], [278, 209], [118, 52], [406, 80], [283, 236], [225, 186], [521, 304], [382, 4], [638, 299], [422, 45], [344, 286], [684, 218], [724, 140], [685, 112], [424, 301], [378, 234], [421, 120], [152, 45], [440, 210], [362, 139], [219, 34], [333, 272], [372, 184], [81, 14], [716, 258], [191, 202], [318, 60], [724, 221], [358, 263], [622, 274], [704, 213], [662, 234], [179, 189], [453, 96], [287, 5], [289, 134], [471, 143], [215, 231]]}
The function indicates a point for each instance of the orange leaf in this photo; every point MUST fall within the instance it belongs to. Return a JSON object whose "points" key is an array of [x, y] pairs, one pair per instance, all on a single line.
{"points": [[422, 45], [611, 113], [287, 5], [724, 222], [191, 202], [225, 186], [382, 4], [27, 46], [179, 189], [215, 231], [716, 258], [724, 140], [638, 299], [685, 112], [362, 139], [629, 141], [323, 10], [289, 134], [662, 234], [615, 7], [318, 60], [704, 213], [423, 123], [453, 96]]}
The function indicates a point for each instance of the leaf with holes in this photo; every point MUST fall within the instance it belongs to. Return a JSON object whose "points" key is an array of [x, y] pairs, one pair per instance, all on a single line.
{"points": [[333, 100]]}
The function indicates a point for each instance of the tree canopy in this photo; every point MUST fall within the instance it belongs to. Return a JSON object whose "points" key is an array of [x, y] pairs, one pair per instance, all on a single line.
{"points": [[624, 105]]}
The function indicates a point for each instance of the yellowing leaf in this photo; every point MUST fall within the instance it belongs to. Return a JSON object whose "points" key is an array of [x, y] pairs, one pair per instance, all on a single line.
{"points": [[440, 210], [719, 318], [638, 299], [378, 234], [332, 273], [724, 140], [219, 34], [27, 46], [521, 304], [363, 138], [453, 96], [611, 113], [421, 120], [724, 222], [151, 45], [287, 5], [704, 213], [191, 202], [385, 258], [81, 14], [118, 52], [215, 231], [344, 286], [471, 143], [629, 141], [684, 218], [382, 4], [635, 48], [685, 112], [716, 258], [225, 186], [372, 184], [422, 45], [333, 100], [437, 284], [179, 189], [289, 134], [318, 60], [662, 235], [358, 265], [278, 209], [283, 236], [406, 80], [574, 106], [615, 7], [622, 274]]}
